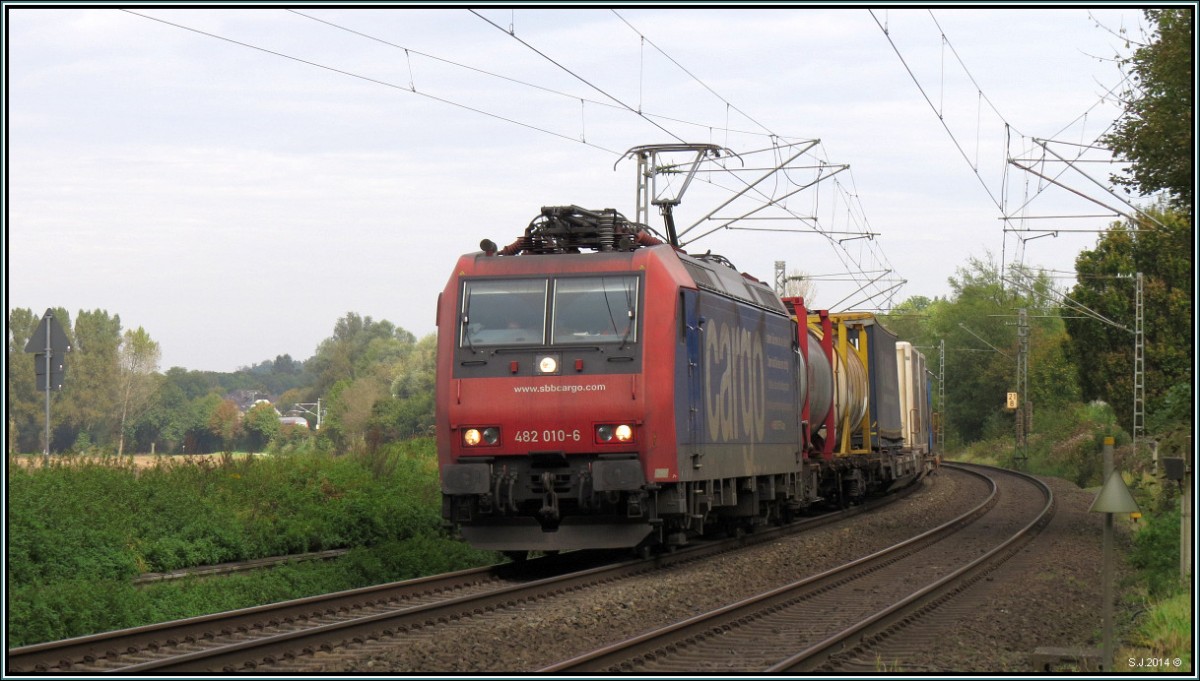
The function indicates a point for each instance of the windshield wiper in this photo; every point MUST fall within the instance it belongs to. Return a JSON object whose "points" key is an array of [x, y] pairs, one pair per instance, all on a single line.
{"points": [[628, 330]]}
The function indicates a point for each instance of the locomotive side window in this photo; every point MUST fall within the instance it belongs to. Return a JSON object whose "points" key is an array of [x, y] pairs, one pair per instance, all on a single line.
{"points": [[589, 310], [503, 312]]}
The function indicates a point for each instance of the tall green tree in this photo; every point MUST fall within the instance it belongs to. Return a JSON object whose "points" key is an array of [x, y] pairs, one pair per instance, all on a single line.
{"points": [[1155, 131], [138, 379], [90, 395], [978, 376], [357, 346], [25, 409], [1161, 248], [355, 369]]}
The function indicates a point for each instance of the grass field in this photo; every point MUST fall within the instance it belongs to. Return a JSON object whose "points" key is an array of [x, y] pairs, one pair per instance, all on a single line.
{"points": [[135, 460]]}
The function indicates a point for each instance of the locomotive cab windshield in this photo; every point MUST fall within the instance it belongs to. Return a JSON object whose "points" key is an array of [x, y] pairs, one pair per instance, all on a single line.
{"points": [[582, 310], [503, 313]]}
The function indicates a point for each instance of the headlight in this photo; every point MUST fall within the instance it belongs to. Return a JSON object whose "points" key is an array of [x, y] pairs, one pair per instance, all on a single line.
{"points": [[548, 364], [614, 433], [481, 437]]}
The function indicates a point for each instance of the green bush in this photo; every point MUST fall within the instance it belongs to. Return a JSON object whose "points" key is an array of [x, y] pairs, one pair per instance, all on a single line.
{"points": [[1174, 407], [1156, 552], [79, 527], [61, 525], [1065, 443], [70, 607]]}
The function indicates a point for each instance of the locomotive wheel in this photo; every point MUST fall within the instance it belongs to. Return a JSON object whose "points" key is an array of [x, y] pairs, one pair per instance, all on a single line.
{"points": [[786, 515]]}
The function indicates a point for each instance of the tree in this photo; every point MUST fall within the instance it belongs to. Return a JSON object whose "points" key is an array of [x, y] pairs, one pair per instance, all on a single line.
{"points": [[164, 424], [356, 368], [137, 378], [1160, 247], [193, 384], [409, 410], [199, 437], [350, 407], [799, 285], [90, 395], [908, 320], [25, 410], [357, 346], [977, 324], [225, 422], [1155, 131], [278, 375], [260, 426]]}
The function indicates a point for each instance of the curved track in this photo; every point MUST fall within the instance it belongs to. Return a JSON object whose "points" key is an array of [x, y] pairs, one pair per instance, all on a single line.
{"points": [[837, 617]]}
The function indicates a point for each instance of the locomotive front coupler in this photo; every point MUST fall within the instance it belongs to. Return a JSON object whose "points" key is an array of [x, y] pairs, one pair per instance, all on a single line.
{"points": [[548, 514]]}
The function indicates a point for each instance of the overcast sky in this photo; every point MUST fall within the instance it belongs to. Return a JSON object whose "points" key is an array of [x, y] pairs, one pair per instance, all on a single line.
{"points": [[237, 187]]}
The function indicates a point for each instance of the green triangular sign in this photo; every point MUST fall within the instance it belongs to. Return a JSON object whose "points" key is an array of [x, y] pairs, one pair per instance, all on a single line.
{"points": [[1114, 497]]}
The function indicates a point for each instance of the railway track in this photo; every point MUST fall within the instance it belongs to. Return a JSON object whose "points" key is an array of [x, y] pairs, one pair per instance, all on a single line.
{"points": [[851, 618], [281, 636]]}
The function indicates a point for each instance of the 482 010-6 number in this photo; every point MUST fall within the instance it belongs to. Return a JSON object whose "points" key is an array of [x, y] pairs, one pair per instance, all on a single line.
{"points": [[548, 435]]}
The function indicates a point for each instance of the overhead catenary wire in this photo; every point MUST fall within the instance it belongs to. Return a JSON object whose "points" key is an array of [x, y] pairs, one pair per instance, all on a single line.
{"points": [[1067, 302], [412, 87], [516, 81], [864, 229], [1084, 149], [618, 105], [1046, 178], [1045, 144], [940, 117], [728, 104], [580, 78], [368, 79], [636, 111]]}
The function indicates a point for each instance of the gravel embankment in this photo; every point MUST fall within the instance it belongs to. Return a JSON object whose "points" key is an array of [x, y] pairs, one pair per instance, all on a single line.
{"points": [[1047, 596]]}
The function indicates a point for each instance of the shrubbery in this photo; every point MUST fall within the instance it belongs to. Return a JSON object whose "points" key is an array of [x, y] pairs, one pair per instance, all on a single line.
{"points": [[1066, 443], [80, 530]]}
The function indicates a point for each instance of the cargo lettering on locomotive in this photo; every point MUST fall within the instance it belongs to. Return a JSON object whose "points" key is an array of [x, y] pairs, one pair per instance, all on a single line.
{"points": [[735, 373]]}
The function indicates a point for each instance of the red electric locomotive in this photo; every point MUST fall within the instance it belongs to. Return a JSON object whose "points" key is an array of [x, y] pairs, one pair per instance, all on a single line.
{"points": [[599, 388]]}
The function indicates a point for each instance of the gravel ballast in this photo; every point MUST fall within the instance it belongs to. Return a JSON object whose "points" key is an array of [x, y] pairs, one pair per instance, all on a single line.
{"points": [[1048, 595]]}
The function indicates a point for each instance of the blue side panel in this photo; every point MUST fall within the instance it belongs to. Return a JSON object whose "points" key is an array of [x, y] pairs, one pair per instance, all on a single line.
{"points": [[737, 410], [748, 371], [689, 400]]}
